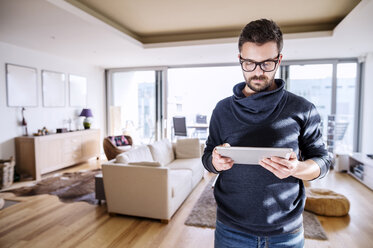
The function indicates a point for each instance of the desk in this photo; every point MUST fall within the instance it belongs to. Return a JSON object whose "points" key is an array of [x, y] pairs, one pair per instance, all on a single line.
{"points": [[199, 129], [199, 125]]}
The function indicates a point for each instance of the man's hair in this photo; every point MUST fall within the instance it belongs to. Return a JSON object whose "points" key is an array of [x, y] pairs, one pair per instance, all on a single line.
{"points": [[261, 31]]}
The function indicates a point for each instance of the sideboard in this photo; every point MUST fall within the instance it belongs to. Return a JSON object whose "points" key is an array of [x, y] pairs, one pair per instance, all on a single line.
{"points": [[361, 168], [37, 155]]}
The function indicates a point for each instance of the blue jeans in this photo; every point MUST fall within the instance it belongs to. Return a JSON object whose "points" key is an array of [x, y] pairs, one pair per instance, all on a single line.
{"points": [[227, 237]]}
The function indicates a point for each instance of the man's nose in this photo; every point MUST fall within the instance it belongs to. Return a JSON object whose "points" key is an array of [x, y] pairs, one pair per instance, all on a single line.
{"points": [[258, 70]]}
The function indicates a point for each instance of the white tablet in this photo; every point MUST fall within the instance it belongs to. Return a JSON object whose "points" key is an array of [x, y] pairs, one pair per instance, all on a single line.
{"points": [[252, 155]]}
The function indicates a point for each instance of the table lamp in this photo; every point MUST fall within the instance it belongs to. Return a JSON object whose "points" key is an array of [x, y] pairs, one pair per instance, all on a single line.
{"points": [[87, 113]]}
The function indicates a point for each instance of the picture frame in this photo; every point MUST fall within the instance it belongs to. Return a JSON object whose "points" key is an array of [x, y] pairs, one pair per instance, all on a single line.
{"points": [[54, 89], [22, 86], [77, 91]]}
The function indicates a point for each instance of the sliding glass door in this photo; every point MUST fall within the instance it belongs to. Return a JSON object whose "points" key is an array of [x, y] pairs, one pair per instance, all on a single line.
{"points": [[193, 93], [333, 88], [313, 82], [346, 107], [132, 104]]}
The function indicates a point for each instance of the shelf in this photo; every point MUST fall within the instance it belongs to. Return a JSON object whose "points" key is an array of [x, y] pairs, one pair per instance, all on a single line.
{"points": [[362, 165]]}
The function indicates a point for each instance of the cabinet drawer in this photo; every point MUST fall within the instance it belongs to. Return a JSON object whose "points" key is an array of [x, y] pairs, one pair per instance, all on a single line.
{"points": [[71, 145], [72, 157]]}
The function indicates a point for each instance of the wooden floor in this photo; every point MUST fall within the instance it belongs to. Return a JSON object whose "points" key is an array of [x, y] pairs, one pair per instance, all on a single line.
{"points": [[44, 221]]}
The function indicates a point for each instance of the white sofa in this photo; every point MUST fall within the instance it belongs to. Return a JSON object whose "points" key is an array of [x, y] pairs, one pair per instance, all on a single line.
{"points": [[153, 180]]}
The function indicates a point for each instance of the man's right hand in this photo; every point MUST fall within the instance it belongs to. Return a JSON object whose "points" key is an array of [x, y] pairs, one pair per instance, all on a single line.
{"points": [[219, 162]]}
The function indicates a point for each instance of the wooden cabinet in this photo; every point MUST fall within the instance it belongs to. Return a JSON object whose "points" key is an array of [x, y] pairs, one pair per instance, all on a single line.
{"points": [[361, 168], [42, 154]]}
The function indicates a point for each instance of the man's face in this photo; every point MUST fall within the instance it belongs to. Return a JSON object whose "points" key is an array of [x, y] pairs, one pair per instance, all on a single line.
{"points": [[259, 80]]}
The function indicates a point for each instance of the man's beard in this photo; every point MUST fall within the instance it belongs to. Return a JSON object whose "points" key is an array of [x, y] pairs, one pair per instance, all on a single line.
{"points": [[262, 87]]}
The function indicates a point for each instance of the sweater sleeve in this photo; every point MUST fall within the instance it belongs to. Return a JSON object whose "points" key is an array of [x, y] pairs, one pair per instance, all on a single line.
{"points": [[311, 144], [213, 140]]}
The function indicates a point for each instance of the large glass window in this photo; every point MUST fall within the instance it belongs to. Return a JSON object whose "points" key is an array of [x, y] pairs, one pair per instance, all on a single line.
{"points": [[132, 105], [313, 82], [334, 95], [346, 106], [194, 92]]}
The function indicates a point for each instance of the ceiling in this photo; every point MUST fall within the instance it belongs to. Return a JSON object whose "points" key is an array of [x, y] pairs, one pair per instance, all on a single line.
{"points": [[169, 20], [135, 33]]}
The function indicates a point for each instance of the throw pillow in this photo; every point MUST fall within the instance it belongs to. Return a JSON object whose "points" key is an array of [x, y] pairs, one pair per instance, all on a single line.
{"points": [[119, 140], [138, 154], [188, 148], [162, 151]]}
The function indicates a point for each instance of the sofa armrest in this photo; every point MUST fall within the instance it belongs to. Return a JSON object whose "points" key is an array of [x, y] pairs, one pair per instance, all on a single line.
{"points": [[137, 190]]}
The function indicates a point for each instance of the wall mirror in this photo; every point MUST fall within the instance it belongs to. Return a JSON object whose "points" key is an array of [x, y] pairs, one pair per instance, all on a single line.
{"points": [[78, 91], [22, 86], [53, 89]]}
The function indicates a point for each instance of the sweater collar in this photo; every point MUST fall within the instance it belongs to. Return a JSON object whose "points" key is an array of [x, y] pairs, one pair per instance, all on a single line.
{"points": [[259, 107]]}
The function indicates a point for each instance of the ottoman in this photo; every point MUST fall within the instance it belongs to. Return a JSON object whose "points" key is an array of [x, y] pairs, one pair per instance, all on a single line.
{"points": [[326, 202], [99, 188]]}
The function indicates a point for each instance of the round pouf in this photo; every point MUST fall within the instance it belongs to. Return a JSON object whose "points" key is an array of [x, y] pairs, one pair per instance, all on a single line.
{"points": [[326, 202]]}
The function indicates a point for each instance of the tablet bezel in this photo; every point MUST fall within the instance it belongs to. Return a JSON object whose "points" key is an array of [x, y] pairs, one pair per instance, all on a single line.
{"points": [[252, 155]]}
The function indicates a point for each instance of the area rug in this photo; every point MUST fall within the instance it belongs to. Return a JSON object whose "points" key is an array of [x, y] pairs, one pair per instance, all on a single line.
{"points": [[203, 214], [69, 187]]}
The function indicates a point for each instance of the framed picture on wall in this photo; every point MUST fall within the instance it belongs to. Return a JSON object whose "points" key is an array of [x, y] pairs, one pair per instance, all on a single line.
{"points": [[53, 89], [78, 91], [22, 86]]}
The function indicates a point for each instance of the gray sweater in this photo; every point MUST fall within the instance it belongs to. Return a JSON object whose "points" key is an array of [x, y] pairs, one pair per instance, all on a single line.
{"points": [[250, 198]]}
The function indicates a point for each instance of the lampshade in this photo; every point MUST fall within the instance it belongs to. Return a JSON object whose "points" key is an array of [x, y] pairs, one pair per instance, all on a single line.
{"points": [[86, 113]]}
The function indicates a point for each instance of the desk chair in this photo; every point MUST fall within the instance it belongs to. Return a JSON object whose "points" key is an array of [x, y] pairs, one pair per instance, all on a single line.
{"points": [[180, 128]]}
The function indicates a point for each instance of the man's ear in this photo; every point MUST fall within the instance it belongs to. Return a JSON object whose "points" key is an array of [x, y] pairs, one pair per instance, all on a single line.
{"points": [[239, 56], [279, 59]]}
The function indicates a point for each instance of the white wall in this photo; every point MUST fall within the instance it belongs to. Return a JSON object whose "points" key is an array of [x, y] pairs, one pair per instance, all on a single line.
{"points": [[367, 106], [51, 118]]}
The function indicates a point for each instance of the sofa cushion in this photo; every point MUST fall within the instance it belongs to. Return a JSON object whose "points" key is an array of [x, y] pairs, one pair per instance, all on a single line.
{"points": [[187, 148], [138, 154], [192, 164], [124, 148], [162, 151], [145, 163]]}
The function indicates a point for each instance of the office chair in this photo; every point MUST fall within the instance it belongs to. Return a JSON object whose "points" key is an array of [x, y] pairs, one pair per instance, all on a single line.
{"points": [[180, 128]]}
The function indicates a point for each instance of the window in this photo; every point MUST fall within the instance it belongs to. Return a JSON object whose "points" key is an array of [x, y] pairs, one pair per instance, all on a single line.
{"points": [[346, 104], [332, 87], [313, 82], [195, 91], [132, 105]]}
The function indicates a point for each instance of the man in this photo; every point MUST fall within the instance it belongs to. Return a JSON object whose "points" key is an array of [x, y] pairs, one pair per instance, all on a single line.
{"points": [[261, 205]]}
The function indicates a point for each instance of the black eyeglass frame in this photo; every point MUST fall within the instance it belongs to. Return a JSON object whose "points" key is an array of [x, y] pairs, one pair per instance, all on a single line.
{"points": [[260, 63]]}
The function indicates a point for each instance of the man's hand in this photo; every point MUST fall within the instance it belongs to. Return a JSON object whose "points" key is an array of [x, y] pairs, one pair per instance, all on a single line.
{"points": [[281, 167], [221, 163]]}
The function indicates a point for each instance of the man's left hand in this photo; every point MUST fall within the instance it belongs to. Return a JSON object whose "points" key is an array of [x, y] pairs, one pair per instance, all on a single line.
{"points": [[281, 167]]}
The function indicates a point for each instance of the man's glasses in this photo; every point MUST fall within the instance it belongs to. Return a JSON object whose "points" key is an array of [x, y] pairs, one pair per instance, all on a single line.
{"points": [[249, 65]]}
